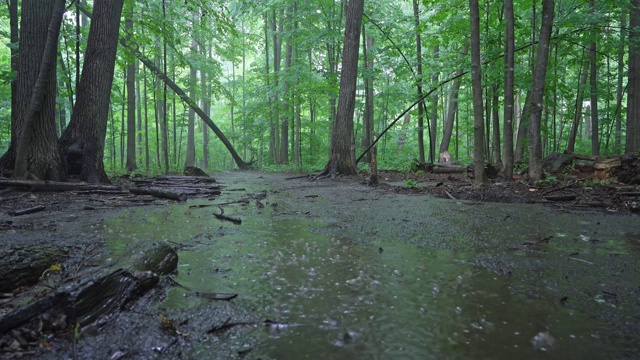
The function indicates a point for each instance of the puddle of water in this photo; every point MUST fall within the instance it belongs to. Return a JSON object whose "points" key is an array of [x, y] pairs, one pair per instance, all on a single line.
{"points": [[346, 301]]}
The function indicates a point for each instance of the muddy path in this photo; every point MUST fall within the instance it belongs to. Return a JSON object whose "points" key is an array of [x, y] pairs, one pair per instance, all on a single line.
{"points": [[336, 269]]}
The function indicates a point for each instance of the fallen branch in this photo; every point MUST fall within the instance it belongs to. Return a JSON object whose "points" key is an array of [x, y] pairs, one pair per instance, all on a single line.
{"points": [[159, 193], [224, 217], [568, 197], [449, 195], [26, 211]]}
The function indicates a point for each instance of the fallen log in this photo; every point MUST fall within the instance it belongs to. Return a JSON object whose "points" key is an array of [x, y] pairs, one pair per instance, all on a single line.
{"points": [[23, 266], [92, 297], [54, 186], [159, 193]]}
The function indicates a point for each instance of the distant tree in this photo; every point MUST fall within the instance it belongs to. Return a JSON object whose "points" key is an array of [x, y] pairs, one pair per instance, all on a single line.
{"points": [[131, 104], [476, 84], [537, 93], [509, 77]]}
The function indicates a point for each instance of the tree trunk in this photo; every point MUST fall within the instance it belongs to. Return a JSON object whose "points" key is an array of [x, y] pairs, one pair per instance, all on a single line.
{"points": [[206, 108], [286, 94], [421, 109], [633, 88], [617, 147], [571, 144], [537, 96], [476, 84], [523, 130], [452, 108], [131, 106], [495, 116], [36, 149], [368, 117], [434, 109], [593, 82], [190, 160], [342, 155], [83, 141], [277, 57]]}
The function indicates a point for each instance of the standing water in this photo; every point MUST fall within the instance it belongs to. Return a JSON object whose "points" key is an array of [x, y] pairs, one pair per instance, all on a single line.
{"points": [[346, 272]]}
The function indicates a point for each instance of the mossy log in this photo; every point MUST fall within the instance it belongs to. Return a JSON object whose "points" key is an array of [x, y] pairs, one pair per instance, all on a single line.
{"points": [[24, 265], [93, 297]]}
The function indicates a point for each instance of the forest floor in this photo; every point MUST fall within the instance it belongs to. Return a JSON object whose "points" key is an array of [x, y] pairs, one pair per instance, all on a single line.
{"points": [[80, 221], [571, 192]]}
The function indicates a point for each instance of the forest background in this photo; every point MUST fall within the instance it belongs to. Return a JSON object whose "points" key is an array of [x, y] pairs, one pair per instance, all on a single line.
{"points": [[267, 76]]}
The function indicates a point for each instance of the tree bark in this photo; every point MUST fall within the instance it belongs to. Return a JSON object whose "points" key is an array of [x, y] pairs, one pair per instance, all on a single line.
{"points": [[82, 142], [571, 144], [476, 84], [421, 109], [342, 154], [495, 116], [368, 118], [633, 84], [190, 160], [452, 108], [593, 82], [36, 149], [537, 96], [131, 106], [617, 147]]}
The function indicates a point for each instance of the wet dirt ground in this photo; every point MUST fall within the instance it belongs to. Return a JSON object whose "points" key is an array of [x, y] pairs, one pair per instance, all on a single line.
{"points": [[336, 269]]}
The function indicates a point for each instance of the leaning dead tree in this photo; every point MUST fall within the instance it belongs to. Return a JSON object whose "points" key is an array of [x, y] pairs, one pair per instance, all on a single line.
{"points": [[192, 104], [134, 49]]}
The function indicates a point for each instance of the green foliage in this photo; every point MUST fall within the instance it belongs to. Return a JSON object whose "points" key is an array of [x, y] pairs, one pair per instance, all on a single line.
{"points": [[411, 184], [546, 182]]}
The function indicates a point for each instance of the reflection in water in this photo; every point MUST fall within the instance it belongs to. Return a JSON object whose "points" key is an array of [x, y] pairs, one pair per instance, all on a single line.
{"points": [[348, 301]]}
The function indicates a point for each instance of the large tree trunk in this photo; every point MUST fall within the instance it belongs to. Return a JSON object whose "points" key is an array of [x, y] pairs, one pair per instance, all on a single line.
{"points": [[83, 141], [342, 155], [476, 84], [633, 87], [537, 96], [509, 96], [37, 152]]}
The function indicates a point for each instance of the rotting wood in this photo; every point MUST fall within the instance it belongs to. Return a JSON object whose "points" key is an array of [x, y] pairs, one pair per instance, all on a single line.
{"points": [[159, 193], [91, 297], [24, 265]]}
